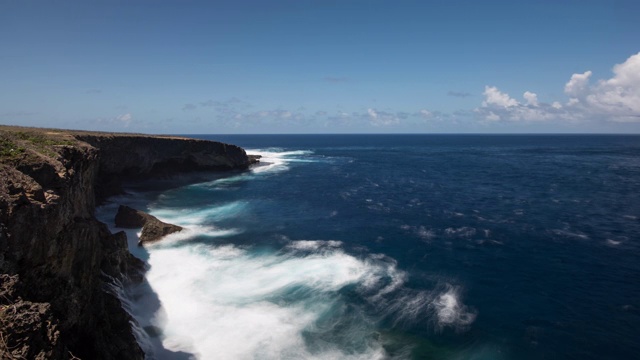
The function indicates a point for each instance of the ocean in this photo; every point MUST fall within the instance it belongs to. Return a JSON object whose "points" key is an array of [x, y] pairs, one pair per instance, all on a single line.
{"points": [[397, 247]]}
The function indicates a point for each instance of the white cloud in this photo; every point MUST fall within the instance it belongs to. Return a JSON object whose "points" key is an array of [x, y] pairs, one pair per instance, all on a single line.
{"points": [[493, 97], [381, 118], [425, 113], [577, 85], [499, 106], [492, 117], [286, 114], [573, 102], [616, 99], [532, 98]]}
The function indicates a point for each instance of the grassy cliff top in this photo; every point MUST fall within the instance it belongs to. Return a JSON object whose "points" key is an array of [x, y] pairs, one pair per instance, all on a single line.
{"points": [[19, 144]]}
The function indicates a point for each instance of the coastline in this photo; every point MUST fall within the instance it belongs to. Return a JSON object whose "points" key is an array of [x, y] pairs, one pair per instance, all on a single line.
{"points": [[60, 267]]}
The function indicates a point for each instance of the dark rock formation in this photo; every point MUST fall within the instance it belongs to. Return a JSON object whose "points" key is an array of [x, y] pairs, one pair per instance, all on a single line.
{"points": [[152, 228], [59, 265], [129, 218], [62, 258], [127, 157], [32, 329]]}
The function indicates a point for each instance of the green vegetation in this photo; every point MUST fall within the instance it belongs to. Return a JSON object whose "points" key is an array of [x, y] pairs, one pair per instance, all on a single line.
{"points": [[20, 144], [41, 140], [9, 150]]}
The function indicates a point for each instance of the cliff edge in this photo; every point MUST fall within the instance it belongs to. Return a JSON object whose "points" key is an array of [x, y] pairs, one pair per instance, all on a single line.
{"points": [[60, 268]]}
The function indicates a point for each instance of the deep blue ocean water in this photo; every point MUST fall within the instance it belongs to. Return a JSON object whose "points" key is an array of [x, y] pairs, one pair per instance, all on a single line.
{"points": [[402, 246]]}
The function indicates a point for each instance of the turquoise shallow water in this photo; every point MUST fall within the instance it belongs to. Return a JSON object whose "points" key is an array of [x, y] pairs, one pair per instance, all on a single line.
{"points": [[403, 246]]}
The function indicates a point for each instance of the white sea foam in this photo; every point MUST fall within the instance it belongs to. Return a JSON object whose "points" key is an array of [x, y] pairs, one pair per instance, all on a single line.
{"points": [[314, 245], [426, 234], [192, 216], [450, 311], [464, 231], [617, 240], [570, 234], [231, 303], [190, 232], [277, 160]]}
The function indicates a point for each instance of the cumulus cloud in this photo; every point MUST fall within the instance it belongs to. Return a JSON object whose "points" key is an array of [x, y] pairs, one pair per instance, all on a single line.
{"points": [[492, 117], [425, 113], [618, 96], [499, 106], [577, 85], [615, 99], [493, 97], [382, 118], [532, 98]]}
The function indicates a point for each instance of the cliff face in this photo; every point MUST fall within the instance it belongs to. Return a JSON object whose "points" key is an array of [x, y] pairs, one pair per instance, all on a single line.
{"points": [[125, 157], [58, 264]]}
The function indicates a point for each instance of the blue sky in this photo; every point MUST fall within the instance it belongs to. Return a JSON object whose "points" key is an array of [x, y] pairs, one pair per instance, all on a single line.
{"points": [[321, 66]]}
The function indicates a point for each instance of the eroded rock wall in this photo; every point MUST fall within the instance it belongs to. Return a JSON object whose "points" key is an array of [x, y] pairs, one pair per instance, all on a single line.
{"points": [[58, 260], [126, 157], [58, 263]]}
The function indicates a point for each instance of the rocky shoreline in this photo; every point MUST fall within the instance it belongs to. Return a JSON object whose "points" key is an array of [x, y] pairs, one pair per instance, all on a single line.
{"points": [[58, 263]]}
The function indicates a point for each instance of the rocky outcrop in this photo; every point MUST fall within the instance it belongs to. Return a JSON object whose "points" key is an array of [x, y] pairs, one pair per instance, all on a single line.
{"points": [[60, 266], [152, 228], [62, 259], [127, 157]]}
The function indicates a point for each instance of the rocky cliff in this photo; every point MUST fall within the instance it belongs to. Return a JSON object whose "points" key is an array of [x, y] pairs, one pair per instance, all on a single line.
{"points": [[59, 266], [130, 157]]}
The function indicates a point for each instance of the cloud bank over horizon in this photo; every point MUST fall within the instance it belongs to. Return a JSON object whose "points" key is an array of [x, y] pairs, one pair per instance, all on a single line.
{"points": [[610, 100], [322, 67], [616, 99]]}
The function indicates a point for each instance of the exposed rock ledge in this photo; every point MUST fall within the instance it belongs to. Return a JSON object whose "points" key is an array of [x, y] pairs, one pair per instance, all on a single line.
{"points": [[152, 228], [58, 263]]}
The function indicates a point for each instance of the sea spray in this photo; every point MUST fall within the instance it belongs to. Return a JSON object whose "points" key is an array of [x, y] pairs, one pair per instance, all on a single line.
{"points": [[294, 299]]}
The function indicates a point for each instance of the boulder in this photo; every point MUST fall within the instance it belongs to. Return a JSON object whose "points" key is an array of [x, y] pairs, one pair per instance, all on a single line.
{"points": [[129, 218], [152, 228]]}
